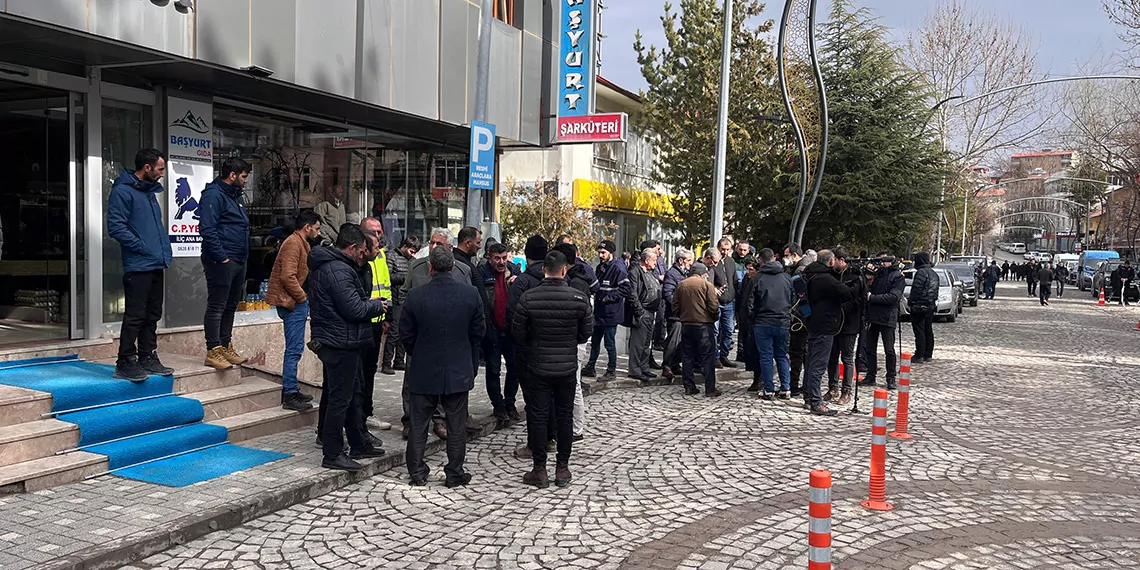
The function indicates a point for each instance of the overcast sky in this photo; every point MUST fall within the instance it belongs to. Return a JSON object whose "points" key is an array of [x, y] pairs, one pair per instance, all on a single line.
{"points": [[1070, 33]]}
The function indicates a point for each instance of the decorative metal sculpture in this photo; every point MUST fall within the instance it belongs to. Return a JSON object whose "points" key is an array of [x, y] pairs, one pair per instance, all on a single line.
{"points": [[805, 101]]}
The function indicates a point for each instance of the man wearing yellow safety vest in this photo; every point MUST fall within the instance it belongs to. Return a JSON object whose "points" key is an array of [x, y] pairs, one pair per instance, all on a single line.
{"points": [[381, 287]]}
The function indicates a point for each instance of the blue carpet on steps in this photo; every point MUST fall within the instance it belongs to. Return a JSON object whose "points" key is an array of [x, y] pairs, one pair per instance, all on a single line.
{"points": [[139, 438]]}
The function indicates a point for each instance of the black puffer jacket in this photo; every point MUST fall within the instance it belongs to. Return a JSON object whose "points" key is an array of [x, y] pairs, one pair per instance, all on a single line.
{"points": [[528, 280], [549, 323], [339, 304], [854, 307], [673, 277], [397, 272], [826, 296], [924, 287], [886, 290]]}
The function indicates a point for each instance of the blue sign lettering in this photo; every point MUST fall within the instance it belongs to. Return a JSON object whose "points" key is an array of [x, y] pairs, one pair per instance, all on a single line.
{"points": [[481, 170]]}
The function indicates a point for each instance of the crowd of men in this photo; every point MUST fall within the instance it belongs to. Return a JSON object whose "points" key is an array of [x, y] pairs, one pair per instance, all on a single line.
{"points": [[441, 312]]}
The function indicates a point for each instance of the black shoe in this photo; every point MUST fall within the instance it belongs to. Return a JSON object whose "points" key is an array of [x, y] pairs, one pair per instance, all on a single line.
{"points": [[513, 414], [725, 362], [823, 411], [655, 365], [398, 366], [152, 365], [418, 482], [767, 396], [713, 394], [579, 437], [609, 376], [692, 391], [304, 397], [387, 370], [341, 463], [784, 395], [589, 372], [461, 481], [892, 385], [293, 401], [866, 382], [755, 387], [373, 440], [796, 392], [129, 369], [367, 453], [501, 415]]}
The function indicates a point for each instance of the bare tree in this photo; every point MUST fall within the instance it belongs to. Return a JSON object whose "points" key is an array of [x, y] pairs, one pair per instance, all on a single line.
{"points": [[1126, 14]]}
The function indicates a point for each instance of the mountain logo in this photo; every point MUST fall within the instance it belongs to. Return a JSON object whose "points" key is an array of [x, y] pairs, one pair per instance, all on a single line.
{"points": [[192, 122]]}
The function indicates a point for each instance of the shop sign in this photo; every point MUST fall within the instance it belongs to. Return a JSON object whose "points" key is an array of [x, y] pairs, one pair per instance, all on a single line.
{"points": [[577, 67], [607, 127], [481, 169], [189, 168]]}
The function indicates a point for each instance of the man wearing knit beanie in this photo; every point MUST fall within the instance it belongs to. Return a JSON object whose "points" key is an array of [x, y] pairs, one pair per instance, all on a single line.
{"points": [[609, 309]]}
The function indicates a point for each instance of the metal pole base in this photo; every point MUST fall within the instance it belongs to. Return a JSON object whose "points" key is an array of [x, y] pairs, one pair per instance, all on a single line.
{"points": [[898, 435], [856, 411], [877, 505]]}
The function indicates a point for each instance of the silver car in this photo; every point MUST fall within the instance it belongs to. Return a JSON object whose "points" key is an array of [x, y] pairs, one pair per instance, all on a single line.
{"points": [[949, 296]]}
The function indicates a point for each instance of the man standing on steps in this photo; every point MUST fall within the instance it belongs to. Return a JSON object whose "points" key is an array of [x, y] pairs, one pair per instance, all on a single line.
{"points": [[614, 292], [441, 328], [695, 304], [134, 219], [341, 327], [379, 284], [550, 321], [224, 227], [287, 294]]}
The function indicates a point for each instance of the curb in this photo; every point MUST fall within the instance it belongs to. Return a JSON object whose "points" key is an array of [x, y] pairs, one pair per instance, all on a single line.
{"points": [[132, 548]]}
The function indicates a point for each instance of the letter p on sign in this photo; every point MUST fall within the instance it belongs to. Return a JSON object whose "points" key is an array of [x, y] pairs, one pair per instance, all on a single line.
{"points": [[481, 171]]}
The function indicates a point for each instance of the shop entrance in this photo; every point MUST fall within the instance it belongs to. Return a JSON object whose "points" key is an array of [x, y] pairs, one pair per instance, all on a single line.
{"points": [[37, 167]]}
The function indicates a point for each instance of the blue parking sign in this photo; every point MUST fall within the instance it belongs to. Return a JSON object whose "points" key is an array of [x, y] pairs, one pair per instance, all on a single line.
{"points": [[481, 172]]}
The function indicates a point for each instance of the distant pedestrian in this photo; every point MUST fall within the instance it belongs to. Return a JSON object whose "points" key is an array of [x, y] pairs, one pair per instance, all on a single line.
{"points": [[581, 277], [398, 264], [1005, 271], [771, 316], [614, 294], [1032, 271], [287, 283], [922, 304], [441, 326], [1126, 277], [746, 349], [797, 345], [1045, 279], [990, 279], [379, 283], [1060, 275], [695, 304], [550, 321]]}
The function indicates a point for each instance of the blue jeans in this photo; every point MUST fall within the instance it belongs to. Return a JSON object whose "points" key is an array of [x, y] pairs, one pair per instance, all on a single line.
{"points": [[607, 333], [772, 344], [294, 343], [497, 345], [724, 329]]}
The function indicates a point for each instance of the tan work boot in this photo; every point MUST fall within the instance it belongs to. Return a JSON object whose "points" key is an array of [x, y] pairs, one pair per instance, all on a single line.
{"points": [[232, 356], [216, 357]]}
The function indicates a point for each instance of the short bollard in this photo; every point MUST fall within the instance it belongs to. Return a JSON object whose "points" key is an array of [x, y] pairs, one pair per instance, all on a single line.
{"points": [[819, 521], [902, 408], [877, 498]]}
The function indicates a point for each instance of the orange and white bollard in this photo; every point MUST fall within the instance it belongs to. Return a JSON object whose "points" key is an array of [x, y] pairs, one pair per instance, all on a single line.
{"points": [[902, 409], [877, 498], [819, 521]]}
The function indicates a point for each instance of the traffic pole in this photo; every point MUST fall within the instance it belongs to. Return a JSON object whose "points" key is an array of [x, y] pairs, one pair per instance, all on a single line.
{"points": [[877, 497], [819, 521], [902, 409]]}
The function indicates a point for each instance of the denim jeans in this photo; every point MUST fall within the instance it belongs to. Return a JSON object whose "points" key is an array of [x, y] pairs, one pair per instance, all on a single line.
{"points": [[497, 346], [294, 322], [724, 327], [608, 333], [772, 348]]}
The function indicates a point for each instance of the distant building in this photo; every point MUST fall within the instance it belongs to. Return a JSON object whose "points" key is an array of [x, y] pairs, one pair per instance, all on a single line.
{"points": [[1045, 163]]}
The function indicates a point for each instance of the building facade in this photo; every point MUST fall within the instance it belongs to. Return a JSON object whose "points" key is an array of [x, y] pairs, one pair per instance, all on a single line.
{"points": [[372, 98]]}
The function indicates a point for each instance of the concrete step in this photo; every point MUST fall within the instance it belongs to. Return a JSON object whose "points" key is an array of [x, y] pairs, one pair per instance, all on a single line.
{"points": [[192, 375], [251, 395], [266, 422], [35, 440], [47, 472], [19, 405]]}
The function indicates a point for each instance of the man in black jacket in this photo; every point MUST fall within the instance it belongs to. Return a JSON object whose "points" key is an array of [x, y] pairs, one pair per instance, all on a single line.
{"points": [[825, 295], [647, 295], [341, 314], [1060, 275], [441, 327], [497, 275], [399, 261], [771, 316], [1031, 272], [724, 279], [845, 342], [678, 272], [1126, 275], [1045, 279], [882, 318], [923, 302], [550, 321]]}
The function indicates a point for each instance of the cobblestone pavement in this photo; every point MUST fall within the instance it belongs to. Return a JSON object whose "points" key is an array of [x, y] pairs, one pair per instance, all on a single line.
{"points": [[1025, 457]]}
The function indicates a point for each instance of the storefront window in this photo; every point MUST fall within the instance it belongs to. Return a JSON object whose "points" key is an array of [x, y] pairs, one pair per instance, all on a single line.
{"points": [[126, 129], [413, 192]]}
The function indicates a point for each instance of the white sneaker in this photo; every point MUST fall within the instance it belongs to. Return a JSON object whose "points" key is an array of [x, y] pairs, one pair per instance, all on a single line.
{"points": [[377, 424]]}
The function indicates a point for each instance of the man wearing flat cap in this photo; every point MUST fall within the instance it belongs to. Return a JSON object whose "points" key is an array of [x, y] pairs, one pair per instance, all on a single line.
{"points": [[695, 304]]}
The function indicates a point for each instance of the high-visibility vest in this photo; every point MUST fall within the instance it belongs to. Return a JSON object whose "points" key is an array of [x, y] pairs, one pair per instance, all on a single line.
{"points": [[381, 281]]}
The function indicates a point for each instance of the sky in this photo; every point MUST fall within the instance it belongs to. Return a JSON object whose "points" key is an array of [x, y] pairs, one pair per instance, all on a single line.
{"points": [[1070, 33]]}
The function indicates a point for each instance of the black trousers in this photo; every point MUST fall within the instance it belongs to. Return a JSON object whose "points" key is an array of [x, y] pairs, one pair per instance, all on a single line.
{"points": [[542, 393], [1047, 291], [797, 354], [1060, 288], [370, 356], [922, 323], [421, 407], [406, 399], [1032, 286], [143, 293], [225, 285], [887, 333], [340, 411], [671, 357], [698, 351], [393, 348], [659, 325], [842, 348]]}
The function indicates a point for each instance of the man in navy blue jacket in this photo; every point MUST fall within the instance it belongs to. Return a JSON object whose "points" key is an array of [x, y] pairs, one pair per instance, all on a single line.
{"points": [[224, 227], [609, 309], [134, 218]]}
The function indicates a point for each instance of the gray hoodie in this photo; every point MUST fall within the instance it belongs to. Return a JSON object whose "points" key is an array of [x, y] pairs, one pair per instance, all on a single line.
{"points": [[772, 296]]}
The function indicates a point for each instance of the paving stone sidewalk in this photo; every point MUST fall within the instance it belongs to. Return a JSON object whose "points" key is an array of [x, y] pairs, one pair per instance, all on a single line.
{"points": [[1025, 458]]}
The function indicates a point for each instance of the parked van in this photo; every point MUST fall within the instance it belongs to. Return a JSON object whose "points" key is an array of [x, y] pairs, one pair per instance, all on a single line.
{"points": [[1088, 264], [1017, 248]]}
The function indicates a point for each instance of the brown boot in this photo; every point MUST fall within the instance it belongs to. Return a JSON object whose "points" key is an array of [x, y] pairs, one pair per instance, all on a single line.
{"points": [[537, 477], [562, 475], [232, 356], [216, 357], [831, 395], [845, 398], [523, 452]]}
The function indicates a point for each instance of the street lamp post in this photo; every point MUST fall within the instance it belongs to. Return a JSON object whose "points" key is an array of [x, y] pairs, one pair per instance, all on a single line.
{"points": [[722, 128]]}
